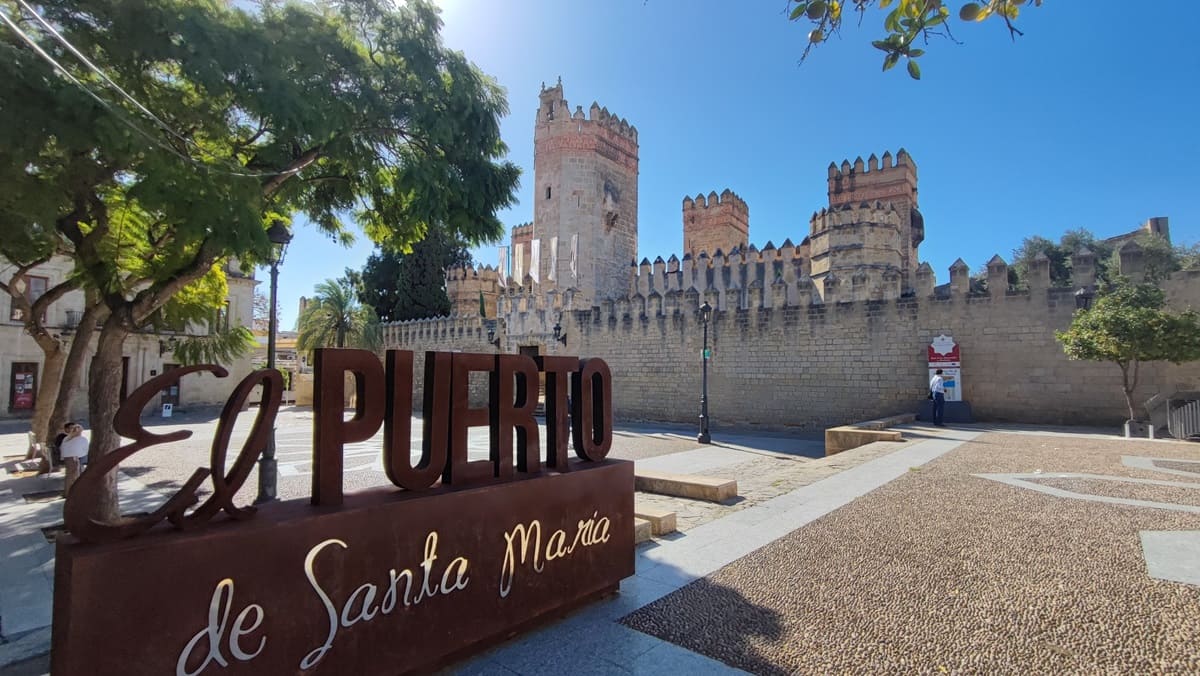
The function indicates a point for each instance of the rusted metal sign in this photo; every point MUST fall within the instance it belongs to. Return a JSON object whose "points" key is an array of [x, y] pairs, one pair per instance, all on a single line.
{"points": [[385, 581]]}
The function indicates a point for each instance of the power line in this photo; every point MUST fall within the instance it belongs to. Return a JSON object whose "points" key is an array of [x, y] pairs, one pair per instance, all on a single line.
{"points": [[119, 114]]}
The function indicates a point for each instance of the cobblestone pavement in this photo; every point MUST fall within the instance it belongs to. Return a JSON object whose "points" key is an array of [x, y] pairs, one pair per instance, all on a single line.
{"points": [[762, 478], [968, 565]]}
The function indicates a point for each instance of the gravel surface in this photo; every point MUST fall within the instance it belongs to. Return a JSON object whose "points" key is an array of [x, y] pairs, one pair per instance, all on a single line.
{"points": [[943, 572], [1179, 495]]}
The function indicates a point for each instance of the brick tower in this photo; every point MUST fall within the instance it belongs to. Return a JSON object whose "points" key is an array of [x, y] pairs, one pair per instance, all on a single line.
{"points": [[715, 223], [585, 197]]}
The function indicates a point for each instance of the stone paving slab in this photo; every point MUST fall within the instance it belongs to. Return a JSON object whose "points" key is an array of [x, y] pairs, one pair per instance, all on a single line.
{"points": [[760, 477]]}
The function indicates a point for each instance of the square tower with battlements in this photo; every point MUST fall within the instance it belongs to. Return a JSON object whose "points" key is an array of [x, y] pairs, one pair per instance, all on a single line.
{"points": [[720, 222], [585, 168]]}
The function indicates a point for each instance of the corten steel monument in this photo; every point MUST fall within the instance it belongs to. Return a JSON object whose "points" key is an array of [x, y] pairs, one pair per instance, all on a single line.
{"points": [[392, 580]]}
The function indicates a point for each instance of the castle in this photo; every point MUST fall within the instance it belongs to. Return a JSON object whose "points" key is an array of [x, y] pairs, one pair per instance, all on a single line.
{"points": [[825, 331]]}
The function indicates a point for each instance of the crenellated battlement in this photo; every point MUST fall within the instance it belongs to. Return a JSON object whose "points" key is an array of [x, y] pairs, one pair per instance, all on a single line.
{"points": [[727, 199], [877, 214], [555, 112], [876, 179]]}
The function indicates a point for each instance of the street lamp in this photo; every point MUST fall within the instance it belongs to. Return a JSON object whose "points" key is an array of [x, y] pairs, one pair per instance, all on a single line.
{"points": [[703, 437], [1083, 299], [558, 333], [268, 475]]}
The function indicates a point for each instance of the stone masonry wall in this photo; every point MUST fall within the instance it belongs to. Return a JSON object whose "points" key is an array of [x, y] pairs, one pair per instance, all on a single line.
{"points": [[814, 365]]}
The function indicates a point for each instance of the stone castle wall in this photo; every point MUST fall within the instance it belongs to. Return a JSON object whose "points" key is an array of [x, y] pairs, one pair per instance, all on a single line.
{"points": [[781, 356]]}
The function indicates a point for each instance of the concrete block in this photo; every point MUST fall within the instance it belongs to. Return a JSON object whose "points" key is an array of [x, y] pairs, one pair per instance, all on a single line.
{"points": [[694, 486], [838, 439], [662, 521], [642, 531]]}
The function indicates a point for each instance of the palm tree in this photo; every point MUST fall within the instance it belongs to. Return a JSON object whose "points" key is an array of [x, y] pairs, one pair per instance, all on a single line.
{"points": [[334, 318]]}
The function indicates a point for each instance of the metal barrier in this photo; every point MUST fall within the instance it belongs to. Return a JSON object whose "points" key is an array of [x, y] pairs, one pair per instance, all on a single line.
{"points": [[1183, 421]]}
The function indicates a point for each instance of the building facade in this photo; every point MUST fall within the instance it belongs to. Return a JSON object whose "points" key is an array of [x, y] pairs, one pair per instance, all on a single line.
{"points": [[144, 355]]}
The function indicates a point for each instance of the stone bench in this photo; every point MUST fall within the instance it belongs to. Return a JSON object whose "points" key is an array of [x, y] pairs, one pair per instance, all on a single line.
{"points": [[846, 437], [642, 531], [694, 486], [662, 521]]}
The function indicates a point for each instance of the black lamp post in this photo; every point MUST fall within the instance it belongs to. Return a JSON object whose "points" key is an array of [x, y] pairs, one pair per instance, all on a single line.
{"points": [[1083, 299], [268, 473], [703, 437], [558, 334]]}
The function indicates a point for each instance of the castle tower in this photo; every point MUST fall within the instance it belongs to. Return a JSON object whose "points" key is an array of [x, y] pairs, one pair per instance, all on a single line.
{"points": [[883, 181], [585, 197], [473, 292], [715, 223]]}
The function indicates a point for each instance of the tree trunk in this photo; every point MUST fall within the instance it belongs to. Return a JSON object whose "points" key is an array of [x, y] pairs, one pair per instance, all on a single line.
{"points": [[52, 371], [80, 348], [1127, 386], [104, 398]]}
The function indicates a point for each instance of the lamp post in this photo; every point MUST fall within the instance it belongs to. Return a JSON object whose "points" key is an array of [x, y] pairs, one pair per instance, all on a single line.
{"points": [[703, 437], [268, 475]]}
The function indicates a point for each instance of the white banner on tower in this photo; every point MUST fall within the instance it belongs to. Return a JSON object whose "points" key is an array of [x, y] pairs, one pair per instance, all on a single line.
{"points": [[535, 260], [503, 266], [518, 262], [575, 258], [553, 273]]}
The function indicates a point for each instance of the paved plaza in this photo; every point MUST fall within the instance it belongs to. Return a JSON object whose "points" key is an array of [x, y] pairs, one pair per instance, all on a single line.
{"points": [[975, 549]]}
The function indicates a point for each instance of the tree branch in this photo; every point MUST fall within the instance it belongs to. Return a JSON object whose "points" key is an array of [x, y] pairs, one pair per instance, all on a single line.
{"points": [[275, 182]]}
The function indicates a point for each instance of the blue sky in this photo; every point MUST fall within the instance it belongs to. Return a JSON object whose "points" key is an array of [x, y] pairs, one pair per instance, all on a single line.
{"points": [[1089, 120]]}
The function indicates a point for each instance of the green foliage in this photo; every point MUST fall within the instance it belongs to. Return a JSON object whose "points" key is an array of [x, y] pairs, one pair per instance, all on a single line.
{"points": [[904, 22], [1060, 255], [317, 109], [218, 347], [1159, 257], [412, 285], [1129, 326], [334, 318]]}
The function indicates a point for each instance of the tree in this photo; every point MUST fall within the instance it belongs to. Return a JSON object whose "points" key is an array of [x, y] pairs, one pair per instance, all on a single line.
{"points": [[412, 285], [1128, 327], [1159, 257], [212, 122], [1060, 256], [334, 318], [907, 21]]}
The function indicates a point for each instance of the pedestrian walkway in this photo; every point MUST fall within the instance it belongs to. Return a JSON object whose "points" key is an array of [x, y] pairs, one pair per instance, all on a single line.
{"points": [[28, 504]]}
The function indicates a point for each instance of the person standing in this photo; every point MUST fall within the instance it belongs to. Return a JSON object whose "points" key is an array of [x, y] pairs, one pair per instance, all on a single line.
{"points": [[937, 387], [74, 449]]}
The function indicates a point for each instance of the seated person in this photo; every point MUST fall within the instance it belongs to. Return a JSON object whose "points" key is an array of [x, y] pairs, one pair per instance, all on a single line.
{"points": [[74, 449], [56, 447]]}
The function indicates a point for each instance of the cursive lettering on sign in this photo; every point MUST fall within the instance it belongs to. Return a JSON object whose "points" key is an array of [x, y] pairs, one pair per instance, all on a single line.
{"points": [[360, 606], [85, 494], [218, 619], [527, 539]]}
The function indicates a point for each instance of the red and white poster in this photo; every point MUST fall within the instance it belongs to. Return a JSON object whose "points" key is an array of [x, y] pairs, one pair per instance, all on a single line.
{"points": [[944, 355]]}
